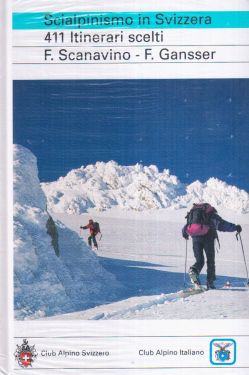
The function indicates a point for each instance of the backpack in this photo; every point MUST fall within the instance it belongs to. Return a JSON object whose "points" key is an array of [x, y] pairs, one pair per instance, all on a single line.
{"points": [[198, 219], [96, 228]]}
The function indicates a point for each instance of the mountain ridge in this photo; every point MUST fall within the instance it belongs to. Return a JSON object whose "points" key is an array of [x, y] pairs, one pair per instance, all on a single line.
{"points": [[107, 184]]}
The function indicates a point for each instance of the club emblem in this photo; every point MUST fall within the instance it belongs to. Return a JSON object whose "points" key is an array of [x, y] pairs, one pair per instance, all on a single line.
{"points": [[220, 354], [25, 354]]}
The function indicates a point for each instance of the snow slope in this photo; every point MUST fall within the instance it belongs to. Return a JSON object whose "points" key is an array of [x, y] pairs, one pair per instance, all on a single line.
{"points": [[147, 254], [107, 185], [177, 305], [56, 272]]}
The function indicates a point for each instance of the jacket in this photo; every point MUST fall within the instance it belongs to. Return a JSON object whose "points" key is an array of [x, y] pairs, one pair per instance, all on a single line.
{"points": [[90, 227]]}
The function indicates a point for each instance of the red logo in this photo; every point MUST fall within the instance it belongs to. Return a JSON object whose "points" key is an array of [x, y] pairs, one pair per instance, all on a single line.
{"points": [[25, 354], [26, 358]]}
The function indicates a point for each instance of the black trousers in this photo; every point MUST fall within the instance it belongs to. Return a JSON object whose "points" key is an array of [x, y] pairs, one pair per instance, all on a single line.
{"points": [[205, 244], [91, 239]]}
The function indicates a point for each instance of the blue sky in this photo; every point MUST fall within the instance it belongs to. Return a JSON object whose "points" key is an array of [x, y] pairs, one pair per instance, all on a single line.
{"points": [[196, 128]]}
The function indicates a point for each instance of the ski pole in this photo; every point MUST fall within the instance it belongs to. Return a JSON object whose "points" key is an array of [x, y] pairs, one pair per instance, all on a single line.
{"points": [[243, 252], [185, 269]]}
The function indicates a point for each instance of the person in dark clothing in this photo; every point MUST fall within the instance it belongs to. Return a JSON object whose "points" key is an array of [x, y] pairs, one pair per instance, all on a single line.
{"points": [[203, 237], [94, 230]]}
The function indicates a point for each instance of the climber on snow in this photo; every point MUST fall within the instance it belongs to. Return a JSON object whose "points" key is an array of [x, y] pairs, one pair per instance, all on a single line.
{"points": [[94, 229], [202, 225]]}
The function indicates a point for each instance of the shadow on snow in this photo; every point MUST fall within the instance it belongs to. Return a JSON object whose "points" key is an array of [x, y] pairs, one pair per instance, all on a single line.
{"points": [[141, 279]]}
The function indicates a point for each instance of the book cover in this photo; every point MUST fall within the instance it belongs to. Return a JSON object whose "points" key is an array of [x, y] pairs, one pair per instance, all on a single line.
{"points": [[125, 249]]}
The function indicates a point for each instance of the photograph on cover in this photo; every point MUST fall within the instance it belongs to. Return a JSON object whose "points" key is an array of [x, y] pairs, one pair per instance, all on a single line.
{"points": [[131, 199]]}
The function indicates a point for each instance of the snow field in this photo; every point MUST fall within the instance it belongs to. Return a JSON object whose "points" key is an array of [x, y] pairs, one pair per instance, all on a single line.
{"points": [[147, 256]]}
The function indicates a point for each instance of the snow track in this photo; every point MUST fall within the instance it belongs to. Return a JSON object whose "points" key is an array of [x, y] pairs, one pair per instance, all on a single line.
{"points": [[131, 306], [147, 304], [218, 303]]}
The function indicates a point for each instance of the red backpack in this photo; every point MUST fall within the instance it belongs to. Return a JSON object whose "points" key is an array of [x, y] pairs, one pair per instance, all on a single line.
{"points": [[198, 219]]}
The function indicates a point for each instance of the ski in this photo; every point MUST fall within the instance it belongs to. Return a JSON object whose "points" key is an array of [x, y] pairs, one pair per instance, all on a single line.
{"points": [[200, 289], [193, 290]]}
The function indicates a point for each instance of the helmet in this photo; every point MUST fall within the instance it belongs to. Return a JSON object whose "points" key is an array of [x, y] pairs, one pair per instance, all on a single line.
{"points": [[91, 221]]}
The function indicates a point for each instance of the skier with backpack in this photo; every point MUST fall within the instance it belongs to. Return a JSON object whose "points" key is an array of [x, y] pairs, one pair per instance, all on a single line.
{"points": [[94, 229], [202, 225]]}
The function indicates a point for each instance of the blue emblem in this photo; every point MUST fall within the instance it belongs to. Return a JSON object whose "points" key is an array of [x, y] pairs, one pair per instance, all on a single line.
{"points": [[223, 352], [223, 355]]}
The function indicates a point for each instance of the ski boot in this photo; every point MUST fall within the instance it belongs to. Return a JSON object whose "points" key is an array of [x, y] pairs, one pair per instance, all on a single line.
{"points": [[194, 278], [210, 285]]}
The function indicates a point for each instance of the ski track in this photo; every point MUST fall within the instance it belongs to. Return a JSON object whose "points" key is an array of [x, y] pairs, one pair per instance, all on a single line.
{"points": [[158, 300], [182, 305]]}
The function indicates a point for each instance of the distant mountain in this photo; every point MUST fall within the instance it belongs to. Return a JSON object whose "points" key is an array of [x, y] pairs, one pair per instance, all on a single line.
{"points": [[138, 187], [55, 272], [216, 192]]}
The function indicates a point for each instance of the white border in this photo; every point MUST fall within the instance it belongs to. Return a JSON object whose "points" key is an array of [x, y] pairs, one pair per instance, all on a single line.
{"points": [[126, 5], [6, 231], [6, 200]]}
